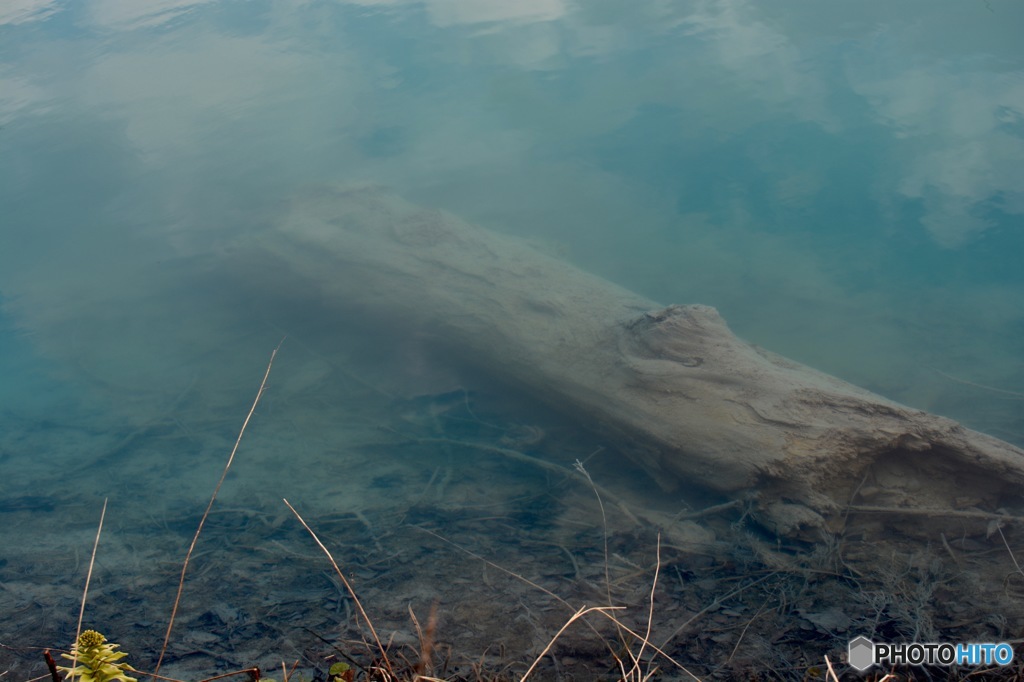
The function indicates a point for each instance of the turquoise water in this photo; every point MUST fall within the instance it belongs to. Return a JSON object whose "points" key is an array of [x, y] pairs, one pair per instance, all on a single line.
{"points": [[843, 181]]}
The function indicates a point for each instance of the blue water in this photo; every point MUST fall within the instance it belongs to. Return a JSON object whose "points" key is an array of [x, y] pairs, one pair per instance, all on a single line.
{"points": [[843, 181]]}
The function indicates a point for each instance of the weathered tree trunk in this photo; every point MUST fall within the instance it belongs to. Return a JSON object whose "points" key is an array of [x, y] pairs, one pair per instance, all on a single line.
{"points": [[685, 398]]}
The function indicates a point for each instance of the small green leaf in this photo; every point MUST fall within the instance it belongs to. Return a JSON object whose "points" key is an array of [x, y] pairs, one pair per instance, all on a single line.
{"points": [[339, 668]]}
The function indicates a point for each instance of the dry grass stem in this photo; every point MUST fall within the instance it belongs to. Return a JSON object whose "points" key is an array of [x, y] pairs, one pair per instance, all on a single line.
{"points": [[743, 632], [832, 677], [520, 578], [542, 464], [88, 578], [582, 611], [623, 629], [578, 465], [426, 639], [348, 586], [1012, 557], [714, 605], [213, 498], [497, 567], [650, 612]]}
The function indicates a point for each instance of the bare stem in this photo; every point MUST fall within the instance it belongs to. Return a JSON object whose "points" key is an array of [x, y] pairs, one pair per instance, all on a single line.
{"points": [[582, 611], [348, 586], [88, 578], [195, 538]]}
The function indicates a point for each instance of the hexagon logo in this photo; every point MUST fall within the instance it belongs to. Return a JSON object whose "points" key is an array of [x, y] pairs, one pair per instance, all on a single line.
{"points": [[860, 653]]}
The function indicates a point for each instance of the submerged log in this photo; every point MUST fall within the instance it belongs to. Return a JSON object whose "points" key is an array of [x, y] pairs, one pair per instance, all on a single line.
{"points": [[678, 392]]}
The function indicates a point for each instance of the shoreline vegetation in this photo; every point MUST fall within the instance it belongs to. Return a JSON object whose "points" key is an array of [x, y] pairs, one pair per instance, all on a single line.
{"points": [[623, 628]]}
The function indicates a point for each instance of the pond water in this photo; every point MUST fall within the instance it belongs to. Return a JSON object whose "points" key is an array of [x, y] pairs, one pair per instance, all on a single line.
{"points": [[844, 182]]}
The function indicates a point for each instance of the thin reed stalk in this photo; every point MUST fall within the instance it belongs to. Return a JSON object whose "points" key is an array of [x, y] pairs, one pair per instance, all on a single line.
{"points": [[650, 616], [348, 586], [582, 611], [88, 579], [213, 498]]}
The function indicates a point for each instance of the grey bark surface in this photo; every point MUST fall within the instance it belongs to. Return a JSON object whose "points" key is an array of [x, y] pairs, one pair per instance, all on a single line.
{"points": [[676, 390]]}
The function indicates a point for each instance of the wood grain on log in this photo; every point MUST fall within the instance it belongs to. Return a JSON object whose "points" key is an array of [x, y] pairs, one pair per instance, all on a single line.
{"points": [[679, 393]]}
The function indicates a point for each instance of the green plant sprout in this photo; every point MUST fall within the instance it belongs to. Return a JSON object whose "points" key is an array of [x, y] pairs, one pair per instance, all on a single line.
{"points": [[342, 672], [95, 660]]}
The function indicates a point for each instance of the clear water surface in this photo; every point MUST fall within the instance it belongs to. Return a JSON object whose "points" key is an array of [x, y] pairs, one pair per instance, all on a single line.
{"points": [[844, 181]]}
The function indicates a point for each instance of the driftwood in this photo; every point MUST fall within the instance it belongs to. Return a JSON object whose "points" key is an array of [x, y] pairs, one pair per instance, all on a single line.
{"points": [[679, 393]]}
